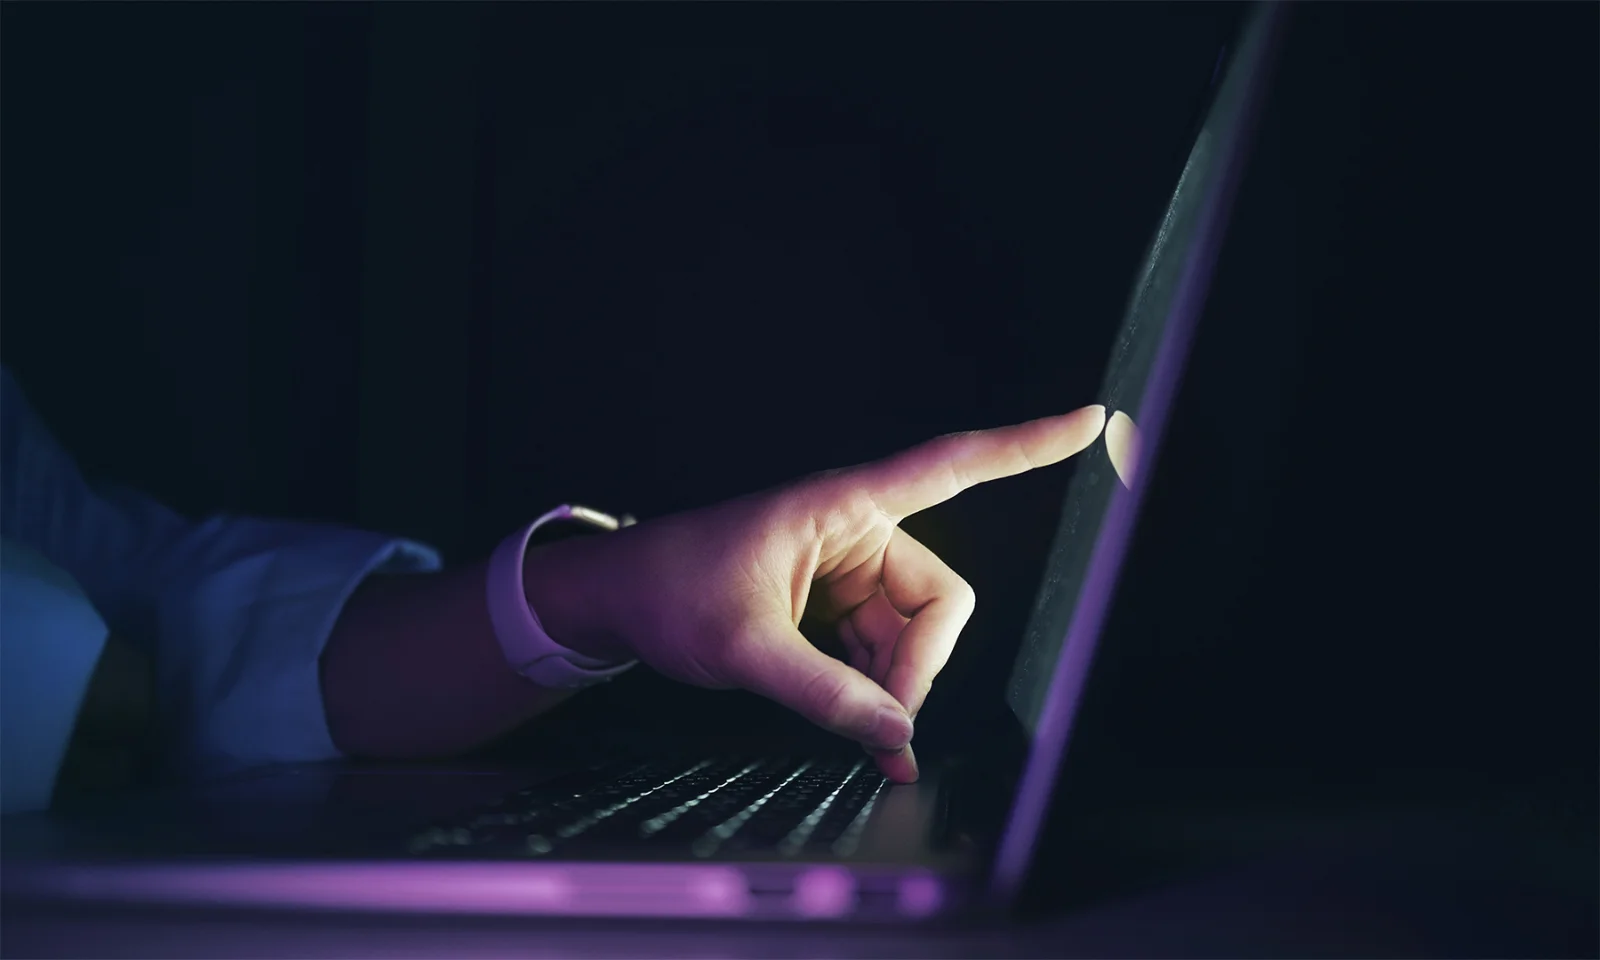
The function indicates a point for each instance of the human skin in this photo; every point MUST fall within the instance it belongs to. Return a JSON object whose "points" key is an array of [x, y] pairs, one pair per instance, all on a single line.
{"points": [[712, 597]]}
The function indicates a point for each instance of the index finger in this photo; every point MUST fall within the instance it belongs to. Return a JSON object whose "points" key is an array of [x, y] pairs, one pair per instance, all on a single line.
{"points": [[933, 472]]}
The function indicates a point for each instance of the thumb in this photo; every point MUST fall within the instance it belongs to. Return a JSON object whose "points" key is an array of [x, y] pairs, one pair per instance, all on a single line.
{"points": [[782, 665]]}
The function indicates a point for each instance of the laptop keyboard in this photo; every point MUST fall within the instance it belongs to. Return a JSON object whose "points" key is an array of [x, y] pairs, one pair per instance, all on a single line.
{"points": [[707, 808]]}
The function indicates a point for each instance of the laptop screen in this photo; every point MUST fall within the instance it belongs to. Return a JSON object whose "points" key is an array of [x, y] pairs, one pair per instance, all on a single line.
{"points": [[1140, 383], [1107, 469], [1166, 293]]}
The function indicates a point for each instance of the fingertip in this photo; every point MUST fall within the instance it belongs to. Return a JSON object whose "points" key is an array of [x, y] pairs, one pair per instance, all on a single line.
{"points": [[1085, 425], [832, 695], [898, 765], [893, 729], [1067, 434]]}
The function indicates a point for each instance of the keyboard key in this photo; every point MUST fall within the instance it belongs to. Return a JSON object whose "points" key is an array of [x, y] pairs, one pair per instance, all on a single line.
{"points": [[722, 805]]}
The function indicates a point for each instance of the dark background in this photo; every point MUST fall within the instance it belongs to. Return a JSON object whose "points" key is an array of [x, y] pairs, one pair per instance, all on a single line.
{"points": [[432, 269]]}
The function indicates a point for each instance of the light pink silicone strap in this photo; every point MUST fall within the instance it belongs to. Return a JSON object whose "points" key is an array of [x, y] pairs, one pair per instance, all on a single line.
{"points": [[529, 650]]}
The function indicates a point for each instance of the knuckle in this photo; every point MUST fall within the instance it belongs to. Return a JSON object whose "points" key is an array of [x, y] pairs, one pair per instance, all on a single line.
{"points": [[1020, 451], [849, 519], [963, 597]]}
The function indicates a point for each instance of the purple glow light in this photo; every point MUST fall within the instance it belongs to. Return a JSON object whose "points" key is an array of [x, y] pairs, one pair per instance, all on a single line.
{"points": [[825, 892], [921, 896], [571, 889]]}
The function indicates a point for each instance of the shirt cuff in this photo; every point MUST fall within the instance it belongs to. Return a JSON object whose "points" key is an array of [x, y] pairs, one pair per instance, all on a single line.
{"points": [[242, 649]]}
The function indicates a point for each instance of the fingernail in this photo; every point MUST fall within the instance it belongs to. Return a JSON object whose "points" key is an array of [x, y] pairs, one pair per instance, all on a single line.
{"points": [[894, 728], [899, 765]]}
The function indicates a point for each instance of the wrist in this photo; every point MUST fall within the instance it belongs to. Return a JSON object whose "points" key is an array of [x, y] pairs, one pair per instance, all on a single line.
{"points": [[566, 585]]}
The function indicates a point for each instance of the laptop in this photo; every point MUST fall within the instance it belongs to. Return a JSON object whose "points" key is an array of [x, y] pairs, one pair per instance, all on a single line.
{"points": [[720, 831]]}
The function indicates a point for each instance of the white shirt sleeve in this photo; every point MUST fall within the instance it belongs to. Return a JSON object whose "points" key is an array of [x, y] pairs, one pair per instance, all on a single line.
{"points": [[233, 611]]}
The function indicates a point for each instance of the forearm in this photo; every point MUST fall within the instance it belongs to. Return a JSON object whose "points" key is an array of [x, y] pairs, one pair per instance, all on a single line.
{"points": [[413, 668]]}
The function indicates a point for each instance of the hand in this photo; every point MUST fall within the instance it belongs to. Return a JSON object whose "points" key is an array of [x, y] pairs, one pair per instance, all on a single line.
{"points": [[714, 597]]}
